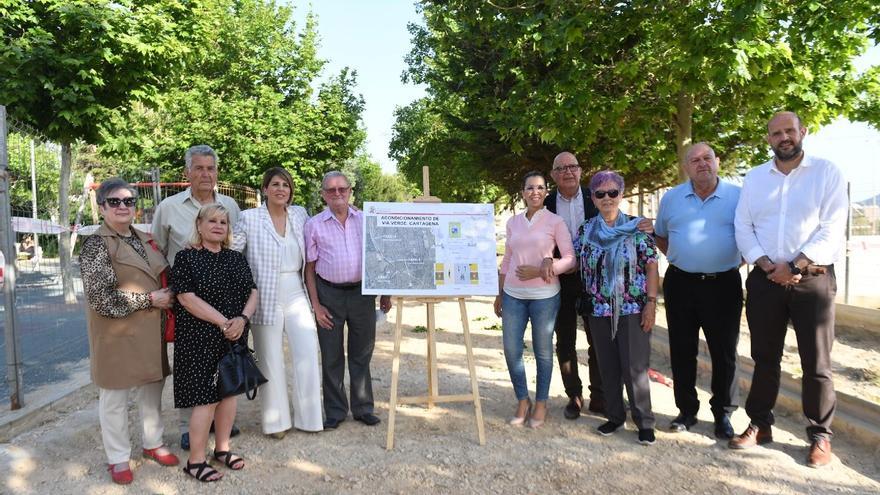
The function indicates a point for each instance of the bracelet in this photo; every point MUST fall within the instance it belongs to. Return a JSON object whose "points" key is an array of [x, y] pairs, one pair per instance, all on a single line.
{"points": [[150, 296], [652, 299], [247, 321]]}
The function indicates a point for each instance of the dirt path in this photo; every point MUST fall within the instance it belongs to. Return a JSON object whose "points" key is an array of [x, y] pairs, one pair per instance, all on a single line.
{"points": [[436, 450]]}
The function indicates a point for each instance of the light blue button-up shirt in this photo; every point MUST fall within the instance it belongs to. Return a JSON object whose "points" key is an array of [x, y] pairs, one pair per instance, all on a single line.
{"points": [[700, 232]]}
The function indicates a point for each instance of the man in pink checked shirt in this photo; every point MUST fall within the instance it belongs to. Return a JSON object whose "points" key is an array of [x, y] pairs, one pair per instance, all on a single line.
{"points": [[334, 240]]}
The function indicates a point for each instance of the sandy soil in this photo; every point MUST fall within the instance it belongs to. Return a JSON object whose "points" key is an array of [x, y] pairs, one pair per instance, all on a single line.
{"points": [[436, 450]]}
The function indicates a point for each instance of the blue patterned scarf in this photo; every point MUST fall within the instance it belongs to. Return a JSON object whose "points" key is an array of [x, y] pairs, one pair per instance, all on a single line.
{"points": [[616, 243]]}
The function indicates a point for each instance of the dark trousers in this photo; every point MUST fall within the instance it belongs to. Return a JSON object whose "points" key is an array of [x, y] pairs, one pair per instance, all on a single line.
{"points": [[566, 340], [624, 361], [715, 304], [347, 306], [809, 305]]}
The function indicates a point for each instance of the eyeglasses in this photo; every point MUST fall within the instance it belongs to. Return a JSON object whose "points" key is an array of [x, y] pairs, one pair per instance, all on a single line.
{"points": [[536, 188], [613, 193], [115, 202], [336, 190], [567, 168]]}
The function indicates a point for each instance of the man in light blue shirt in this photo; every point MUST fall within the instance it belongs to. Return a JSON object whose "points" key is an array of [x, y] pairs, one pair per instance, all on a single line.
{"points": [[702, 286]]}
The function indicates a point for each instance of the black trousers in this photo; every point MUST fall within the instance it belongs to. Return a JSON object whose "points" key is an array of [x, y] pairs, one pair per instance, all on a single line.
{"points": [[566, 340], [347, 306], [715, 305], [624, 362], [809, 305]]}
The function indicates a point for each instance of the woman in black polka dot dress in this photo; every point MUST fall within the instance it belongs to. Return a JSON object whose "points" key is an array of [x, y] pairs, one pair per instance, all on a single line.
{"points": [[216, 297]]}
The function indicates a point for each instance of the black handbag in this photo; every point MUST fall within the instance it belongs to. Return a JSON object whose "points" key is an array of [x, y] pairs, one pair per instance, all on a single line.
{"points": [[237, 372]]}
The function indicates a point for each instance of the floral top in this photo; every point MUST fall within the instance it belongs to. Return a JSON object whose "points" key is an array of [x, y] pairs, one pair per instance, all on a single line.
{"points": [[590, 259]]}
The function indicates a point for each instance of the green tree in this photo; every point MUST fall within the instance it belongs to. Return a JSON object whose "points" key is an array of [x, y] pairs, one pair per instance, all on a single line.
{"points": [[67, 65], [249, 90], [369, 183], [625, 85]]}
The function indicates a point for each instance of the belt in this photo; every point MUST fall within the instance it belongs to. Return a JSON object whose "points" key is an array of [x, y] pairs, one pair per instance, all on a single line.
{"points": [[700, 276], [345, 286]]}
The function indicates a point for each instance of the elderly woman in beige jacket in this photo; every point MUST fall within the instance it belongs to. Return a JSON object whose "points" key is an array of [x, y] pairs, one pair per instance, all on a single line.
{"points": [[271, 238], [121, 271]]}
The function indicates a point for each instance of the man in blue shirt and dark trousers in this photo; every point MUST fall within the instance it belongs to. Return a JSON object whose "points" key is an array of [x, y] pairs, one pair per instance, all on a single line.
{"points": [[702, 286]]}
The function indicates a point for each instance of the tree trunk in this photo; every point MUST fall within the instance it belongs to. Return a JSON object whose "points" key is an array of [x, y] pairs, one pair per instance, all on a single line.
{"points": [[684, 120], [64, 220]]}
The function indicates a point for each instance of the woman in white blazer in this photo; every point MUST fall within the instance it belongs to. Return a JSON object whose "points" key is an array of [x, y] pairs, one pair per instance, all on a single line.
{"points": [[271, 237]]}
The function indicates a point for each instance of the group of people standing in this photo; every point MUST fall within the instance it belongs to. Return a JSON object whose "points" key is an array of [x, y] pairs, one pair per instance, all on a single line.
{"points": [[225, 274], [276, 273], [573, 251]]}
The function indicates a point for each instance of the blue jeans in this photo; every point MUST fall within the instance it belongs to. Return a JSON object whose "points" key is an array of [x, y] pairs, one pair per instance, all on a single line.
{"points": [[515, 313]]}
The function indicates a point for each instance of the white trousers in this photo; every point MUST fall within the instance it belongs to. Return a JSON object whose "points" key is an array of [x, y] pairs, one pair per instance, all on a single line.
{"points": [[293, 317], [113, 415]]}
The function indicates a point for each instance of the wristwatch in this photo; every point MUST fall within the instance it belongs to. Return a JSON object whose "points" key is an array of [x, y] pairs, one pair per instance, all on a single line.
{"points": [[794, 269]]}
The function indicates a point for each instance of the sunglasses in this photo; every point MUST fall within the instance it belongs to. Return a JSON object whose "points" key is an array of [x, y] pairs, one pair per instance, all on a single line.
{"points": [[115, 202], [336, 190], [613, 193]]}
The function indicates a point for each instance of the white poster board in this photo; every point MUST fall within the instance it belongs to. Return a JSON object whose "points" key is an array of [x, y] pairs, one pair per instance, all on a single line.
{"points": [[429, 249]]}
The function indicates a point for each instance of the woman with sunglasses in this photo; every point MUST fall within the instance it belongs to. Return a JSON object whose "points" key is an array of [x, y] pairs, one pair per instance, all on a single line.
{"points": [[531, 293], [618, 265], [121, 276]]}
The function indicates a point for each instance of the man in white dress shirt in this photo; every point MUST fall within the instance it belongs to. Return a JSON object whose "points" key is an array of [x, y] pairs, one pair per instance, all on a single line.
{"points": [[790, 224]]}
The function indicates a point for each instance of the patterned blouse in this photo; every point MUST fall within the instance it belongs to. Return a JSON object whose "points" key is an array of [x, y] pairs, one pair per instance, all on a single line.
{"points": [[100, 282], [590, 258]]}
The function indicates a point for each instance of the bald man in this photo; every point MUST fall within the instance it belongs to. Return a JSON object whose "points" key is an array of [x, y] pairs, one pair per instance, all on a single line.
{"points": [[572, 202], [790, 223], [702, 287]]}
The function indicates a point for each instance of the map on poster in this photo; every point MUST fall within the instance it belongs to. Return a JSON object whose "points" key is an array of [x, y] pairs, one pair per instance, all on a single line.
{"points": [[429, 249]]}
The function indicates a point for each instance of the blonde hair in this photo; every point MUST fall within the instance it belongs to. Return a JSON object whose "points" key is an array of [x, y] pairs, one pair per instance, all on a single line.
{"points": [[210, 211]]}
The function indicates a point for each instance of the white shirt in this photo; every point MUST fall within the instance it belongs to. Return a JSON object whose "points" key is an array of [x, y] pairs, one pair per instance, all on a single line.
{"points": [[571, 211], [782, 215]]}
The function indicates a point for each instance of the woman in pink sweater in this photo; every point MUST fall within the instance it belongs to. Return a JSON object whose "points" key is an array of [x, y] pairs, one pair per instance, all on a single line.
{"points": [[532, 294]]}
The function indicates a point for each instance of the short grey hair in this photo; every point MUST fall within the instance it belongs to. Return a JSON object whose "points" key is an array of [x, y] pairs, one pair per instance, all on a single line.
{"points": [[110, 185], [334, 173], [691, 148], [200, 150], [605, 176]]}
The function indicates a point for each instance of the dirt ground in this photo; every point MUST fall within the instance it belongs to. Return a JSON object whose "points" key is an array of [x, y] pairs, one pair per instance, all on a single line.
{"points": [[436, 450]]}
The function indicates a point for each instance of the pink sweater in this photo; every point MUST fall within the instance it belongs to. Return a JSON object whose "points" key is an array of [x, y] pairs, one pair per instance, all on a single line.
{"points": [[530, 244]]}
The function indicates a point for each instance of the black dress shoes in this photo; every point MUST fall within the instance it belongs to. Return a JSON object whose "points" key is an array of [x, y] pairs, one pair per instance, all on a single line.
{"points": [[573, 409], [682, 422], [332, 424], [368, 419], [723, 428], [233, 433], [184, 441]]}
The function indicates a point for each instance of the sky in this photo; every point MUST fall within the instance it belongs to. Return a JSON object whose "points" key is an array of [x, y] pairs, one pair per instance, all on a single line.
{"points": [[371, 37]]}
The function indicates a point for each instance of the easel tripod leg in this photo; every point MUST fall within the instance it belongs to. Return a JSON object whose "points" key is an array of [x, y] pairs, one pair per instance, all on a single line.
{"points": [[475, 388], [395, 375]]}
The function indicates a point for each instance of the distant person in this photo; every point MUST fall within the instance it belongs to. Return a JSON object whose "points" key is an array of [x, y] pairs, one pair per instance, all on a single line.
{"points": [[271, 237], [120, 274], [175, 217], [28, 248], [618, 266], [216, 298], [334, 239], [529, 292], [790, 223], [702, 286]]}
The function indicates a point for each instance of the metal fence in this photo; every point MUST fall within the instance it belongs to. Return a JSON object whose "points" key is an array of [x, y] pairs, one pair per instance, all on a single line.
{"points": [[50, 342]]}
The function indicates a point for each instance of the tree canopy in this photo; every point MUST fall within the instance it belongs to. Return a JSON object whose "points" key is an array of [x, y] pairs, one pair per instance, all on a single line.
{"points": [[624, 85], [249, 89]]}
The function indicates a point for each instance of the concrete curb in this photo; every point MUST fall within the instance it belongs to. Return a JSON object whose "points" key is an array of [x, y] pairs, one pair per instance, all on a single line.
{"points": [[856, 419], [43, 406]]}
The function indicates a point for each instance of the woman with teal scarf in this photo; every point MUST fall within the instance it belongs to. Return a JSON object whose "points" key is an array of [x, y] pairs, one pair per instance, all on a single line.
{"points": [[618, 266]]}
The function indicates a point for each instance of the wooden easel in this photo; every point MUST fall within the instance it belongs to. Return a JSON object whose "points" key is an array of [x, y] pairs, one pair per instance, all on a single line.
{"points": [[433, 396]]}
